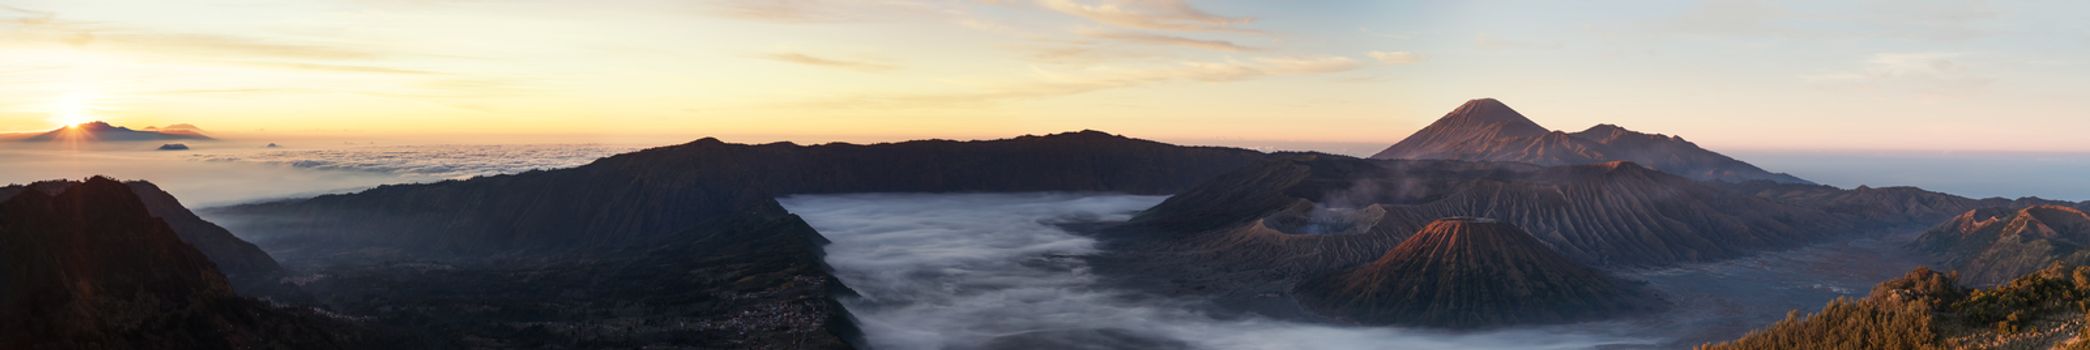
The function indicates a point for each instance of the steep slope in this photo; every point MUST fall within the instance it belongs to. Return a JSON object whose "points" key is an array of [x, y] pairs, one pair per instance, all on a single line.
{"points": [[1245, 238], [1931, 310], [1476, 130], [594, 257], [252, 272], [619, 234], [1487, 130], [1473, 273], [1612, 214], [1992, 245], [100, 131], [91, 268]]}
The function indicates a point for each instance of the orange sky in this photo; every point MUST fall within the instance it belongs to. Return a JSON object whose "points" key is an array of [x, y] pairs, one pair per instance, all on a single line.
{"points": [[1728, 74]]}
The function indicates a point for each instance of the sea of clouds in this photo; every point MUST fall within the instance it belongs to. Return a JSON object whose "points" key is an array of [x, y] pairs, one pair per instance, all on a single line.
{"points": [[968, 271], [429, 162]]}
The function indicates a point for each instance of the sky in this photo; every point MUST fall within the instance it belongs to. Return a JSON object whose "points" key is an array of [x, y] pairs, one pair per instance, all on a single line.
{"points": [[1728, 74]]}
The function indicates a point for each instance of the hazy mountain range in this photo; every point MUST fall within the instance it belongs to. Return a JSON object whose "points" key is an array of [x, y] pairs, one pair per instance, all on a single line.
{"points": [[1488, 130], [103, 132]]}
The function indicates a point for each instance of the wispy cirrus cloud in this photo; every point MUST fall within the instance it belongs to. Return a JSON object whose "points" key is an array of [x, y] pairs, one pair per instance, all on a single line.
{"points": [[344, 68], [1169, 40], [20, 26], [1394, 57], [28, 28], [850, 64], [1902, 65], [1929, 74], [776, 10], [1053, 84], [1173, 15]]}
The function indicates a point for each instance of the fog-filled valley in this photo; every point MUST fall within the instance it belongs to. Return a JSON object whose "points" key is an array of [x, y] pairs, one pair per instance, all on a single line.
{"points": [[999, 271], [995, 271]]}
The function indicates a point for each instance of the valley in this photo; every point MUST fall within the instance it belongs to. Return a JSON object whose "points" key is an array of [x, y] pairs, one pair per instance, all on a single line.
{"points": [[1044, 175], [1094, 240]]}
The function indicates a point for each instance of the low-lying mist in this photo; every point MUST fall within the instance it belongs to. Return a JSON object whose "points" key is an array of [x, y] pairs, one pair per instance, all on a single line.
{"points": [[994, 271], [214, 173], [197, 184]]}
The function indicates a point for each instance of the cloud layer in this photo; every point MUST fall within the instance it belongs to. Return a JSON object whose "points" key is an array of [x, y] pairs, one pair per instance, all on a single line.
{"points": [[430, 162], [993, 271]]}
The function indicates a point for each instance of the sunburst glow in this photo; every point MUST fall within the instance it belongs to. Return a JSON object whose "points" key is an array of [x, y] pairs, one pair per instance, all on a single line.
{"points": [[73, 110]]}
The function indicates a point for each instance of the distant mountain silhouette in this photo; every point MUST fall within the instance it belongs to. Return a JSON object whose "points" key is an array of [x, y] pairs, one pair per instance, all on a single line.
{"points": [[1993, 245], [1473, 273], [252, 272], [92, 268], [700, 217], [1900, 207], [1487, 130], [103, 132]]}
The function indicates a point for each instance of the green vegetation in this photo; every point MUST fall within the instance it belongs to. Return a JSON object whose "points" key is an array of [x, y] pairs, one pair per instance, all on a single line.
{"points": [[1929, 310]]}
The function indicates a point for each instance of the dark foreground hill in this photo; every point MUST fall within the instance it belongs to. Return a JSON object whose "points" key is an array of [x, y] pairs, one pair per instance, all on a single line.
{"points": [[1487, 130], [1473, 273], [90, 267], [680, 246], [1931, 310], [251, 271]]}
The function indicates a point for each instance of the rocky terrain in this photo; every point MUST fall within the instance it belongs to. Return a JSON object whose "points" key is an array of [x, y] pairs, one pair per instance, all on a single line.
{"points": [[1928, 309], [91, 267], [1244, 239], [1333, 210], [1471, 273], [1487, 130], [1994, 245]]}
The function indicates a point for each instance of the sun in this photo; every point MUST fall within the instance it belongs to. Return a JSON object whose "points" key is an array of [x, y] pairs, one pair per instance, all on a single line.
{"points": [[70, 120], [72, 110]]}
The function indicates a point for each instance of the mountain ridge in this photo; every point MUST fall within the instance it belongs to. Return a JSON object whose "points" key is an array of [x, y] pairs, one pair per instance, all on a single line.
{"points": [[1993, 245], [90, 267], [103, 131], [627, 224], [1487, 130], [252, 271]]}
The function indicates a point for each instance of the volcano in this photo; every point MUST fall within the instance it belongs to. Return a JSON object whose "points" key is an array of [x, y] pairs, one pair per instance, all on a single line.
{"points": [[1467, 272], [1488, 130], [104, 132]]}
